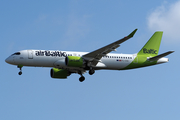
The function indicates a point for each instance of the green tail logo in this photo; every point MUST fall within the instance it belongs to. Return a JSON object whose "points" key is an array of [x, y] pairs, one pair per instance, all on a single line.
{"points": [[151, 48], [149, 51]]}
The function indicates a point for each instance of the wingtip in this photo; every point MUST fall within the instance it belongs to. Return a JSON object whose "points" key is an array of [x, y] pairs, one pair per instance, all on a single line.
{"points": [[132, 33]]}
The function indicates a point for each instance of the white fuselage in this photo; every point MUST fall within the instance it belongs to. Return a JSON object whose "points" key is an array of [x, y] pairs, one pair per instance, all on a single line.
{"points": [[50, 58], [56, 59]]}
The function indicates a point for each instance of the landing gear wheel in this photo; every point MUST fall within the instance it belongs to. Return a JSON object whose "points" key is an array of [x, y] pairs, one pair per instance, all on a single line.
{"points": [[20, 73], [20, 67], [91, 71], [82, 78]]}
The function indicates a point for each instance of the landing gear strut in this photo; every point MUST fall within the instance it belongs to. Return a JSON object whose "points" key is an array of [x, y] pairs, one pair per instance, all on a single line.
{"points": [[20, 67]]}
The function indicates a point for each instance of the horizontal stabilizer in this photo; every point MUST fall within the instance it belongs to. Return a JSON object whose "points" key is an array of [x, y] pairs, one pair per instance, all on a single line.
{"points": [[160, 56]]}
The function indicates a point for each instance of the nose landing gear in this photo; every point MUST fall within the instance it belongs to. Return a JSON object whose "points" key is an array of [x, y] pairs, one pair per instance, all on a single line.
{"points": [[20, 67], [20, 73]]}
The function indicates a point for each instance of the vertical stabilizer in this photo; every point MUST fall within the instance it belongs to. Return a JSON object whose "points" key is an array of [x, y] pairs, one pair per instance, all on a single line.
{"points": [[151, 48]]}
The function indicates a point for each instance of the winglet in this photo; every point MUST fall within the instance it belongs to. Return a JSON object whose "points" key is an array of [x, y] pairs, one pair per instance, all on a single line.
{"points": [[132, 34]]}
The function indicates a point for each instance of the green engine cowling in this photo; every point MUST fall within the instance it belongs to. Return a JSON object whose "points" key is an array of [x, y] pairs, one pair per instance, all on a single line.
{"points": [[59, 73], [74, 61]]}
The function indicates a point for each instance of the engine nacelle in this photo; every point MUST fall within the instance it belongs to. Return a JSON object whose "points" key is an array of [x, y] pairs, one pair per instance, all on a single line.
{"points": [[59, 73], [74, 61]]}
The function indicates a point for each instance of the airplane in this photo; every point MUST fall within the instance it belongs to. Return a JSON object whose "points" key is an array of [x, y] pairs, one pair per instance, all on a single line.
{"points": [[64, 63]]}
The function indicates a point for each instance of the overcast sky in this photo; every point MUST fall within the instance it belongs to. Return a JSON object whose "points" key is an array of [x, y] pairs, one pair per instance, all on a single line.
{"points": [[150, 93]]}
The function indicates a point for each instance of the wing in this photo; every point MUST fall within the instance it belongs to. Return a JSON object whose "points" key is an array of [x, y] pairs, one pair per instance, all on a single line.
{"points": [[95, 56]]}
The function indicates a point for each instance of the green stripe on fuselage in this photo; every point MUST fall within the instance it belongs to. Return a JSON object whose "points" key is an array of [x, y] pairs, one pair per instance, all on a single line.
{"points": [[139, 61]]}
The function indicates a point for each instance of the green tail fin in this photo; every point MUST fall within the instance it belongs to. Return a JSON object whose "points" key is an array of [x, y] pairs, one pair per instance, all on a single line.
{"points": [[151, 48]]}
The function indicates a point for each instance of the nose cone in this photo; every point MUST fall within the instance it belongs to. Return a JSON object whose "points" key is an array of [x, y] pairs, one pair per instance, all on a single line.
{"points": [[9, 60]]}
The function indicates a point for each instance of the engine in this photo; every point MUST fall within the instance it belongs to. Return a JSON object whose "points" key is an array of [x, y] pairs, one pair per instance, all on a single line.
{"points": [[59, 73], [74, 61]]}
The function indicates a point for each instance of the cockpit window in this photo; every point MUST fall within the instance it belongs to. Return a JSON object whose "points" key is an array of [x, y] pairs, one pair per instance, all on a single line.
{"points": [[17, 53]]}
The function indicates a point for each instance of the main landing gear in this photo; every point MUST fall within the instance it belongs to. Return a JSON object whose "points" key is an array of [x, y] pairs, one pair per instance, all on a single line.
{"points": [[20, 67], [82, 78], [91, 71]]}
